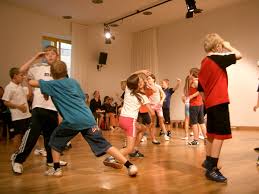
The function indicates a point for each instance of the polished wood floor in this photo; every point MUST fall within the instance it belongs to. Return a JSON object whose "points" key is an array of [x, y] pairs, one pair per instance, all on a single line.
{"points": [[171, 167]]}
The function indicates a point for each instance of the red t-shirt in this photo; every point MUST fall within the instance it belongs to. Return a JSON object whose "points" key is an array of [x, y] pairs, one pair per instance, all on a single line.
{"points": [[196, 101], [213, 79]]}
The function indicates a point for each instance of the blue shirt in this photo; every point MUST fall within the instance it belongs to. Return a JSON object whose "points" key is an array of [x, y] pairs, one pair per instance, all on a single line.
{"points": [[168, 93], [69, 100]]}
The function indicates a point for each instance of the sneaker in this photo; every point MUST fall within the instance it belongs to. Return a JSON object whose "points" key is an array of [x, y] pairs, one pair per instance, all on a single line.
{"points": [[167, 138], [136, 154], [68, 146], [41, 152], [169, 134], [144, 139], [256, 149], [61, 163], [161, 133], [17, 168], [155, 142], [53, 172], [215, 175], [132, 170], [184, 138], [193, 143], [110, 161]]}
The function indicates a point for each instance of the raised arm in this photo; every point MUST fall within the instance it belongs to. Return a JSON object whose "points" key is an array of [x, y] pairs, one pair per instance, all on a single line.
{"points": [[178, 82], [25, 67], [227, 46]]}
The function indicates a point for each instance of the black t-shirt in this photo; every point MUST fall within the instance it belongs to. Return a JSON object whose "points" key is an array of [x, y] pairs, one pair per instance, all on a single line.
{"points": [[94, 105]]}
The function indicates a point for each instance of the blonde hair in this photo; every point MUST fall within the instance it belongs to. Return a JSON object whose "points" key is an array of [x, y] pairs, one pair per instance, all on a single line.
{"points": [[211, 42], [58, 70], [51, 48], [194, 72], [186, 86]]}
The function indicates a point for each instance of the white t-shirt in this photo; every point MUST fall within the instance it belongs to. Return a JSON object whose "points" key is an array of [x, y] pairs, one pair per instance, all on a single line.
{"points": [[37, 72], [155, 98], [131, 104], [17, 94]]}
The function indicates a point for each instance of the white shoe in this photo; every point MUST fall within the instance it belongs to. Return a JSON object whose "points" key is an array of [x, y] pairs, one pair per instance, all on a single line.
{"points": [[184, 138], [144, 139], [17, 168], [61, 163], [53, 172], [167, 138], [41, 152], [132, 170], [201, 137]]}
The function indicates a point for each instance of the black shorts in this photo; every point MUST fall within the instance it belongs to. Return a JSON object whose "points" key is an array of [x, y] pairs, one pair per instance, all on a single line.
{"points": [[196, 115], [218, 122], [166, 113], [20, 126], [144, 118], [60, 137]]}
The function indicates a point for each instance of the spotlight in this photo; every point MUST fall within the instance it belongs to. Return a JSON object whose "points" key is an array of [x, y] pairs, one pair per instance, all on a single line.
{"points": [[191, 8], [107, 34]]}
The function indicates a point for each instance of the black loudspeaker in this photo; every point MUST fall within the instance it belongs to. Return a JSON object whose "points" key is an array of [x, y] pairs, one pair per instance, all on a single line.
{"points": [[103, 58]]}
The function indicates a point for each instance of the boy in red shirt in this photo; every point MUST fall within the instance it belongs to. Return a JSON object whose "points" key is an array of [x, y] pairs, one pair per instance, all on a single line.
{"points": [[213, 81]]}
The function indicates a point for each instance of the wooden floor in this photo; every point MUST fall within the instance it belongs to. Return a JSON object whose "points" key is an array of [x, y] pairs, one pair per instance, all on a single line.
{"points": [[171, 167]]}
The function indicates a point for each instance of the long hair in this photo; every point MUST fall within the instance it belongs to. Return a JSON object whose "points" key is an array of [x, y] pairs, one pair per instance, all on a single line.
{"points": [[186, 86], [132, 84]]}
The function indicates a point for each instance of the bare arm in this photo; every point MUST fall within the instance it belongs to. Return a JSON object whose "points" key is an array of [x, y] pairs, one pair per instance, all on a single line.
{"points": [[162, 96], [194, 95], [227, 46], [24, 68], [21, 107], [34, 83], [177, 84]]}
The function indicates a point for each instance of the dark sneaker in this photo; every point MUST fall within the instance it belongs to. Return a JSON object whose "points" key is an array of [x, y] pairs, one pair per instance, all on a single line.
{"points": [[136, 154], [110, 161], [256, 149], [155, 142], [169, 134], [193, 143], [215, 175]]}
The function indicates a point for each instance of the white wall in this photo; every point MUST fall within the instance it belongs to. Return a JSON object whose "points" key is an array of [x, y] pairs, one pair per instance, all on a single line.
{"points": [[180, 48], [88, 42], [21, 33]]}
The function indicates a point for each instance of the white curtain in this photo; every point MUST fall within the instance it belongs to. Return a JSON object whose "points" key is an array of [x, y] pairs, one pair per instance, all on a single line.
{"points": [[144, 51], [80, 54]]}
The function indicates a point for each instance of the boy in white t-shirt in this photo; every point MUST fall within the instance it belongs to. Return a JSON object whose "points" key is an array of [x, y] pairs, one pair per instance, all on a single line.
{"points": [[44, 114], [15, 98]]}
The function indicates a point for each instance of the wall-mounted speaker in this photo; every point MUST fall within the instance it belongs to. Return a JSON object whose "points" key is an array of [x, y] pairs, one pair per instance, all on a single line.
{"points": [[103, 58]]}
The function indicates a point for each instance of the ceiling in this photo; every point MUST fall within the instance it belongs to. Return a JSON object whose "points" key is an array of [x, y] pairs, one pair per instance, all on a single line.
{"points": [[85, 12]]}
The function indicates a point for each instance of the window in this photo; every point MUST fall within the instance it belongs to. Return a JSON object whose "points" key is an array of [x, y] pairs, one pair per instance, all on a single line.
{"points": [[64, 49]]}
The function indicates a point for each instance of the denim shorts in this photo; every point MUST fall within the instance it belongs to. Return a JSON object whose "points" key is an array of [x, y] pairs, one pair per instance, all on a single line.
{"points": [[61, 136]]}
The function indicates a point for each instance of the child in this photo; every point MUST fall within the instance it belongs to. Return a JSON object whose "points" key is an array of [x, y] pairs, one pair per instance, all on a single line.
{"points": [[213, 82], [186, 101], [156, 101], [166, 105], [16, 99], [133, 99], [69, 99], [196, 108], [44, 114]]}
